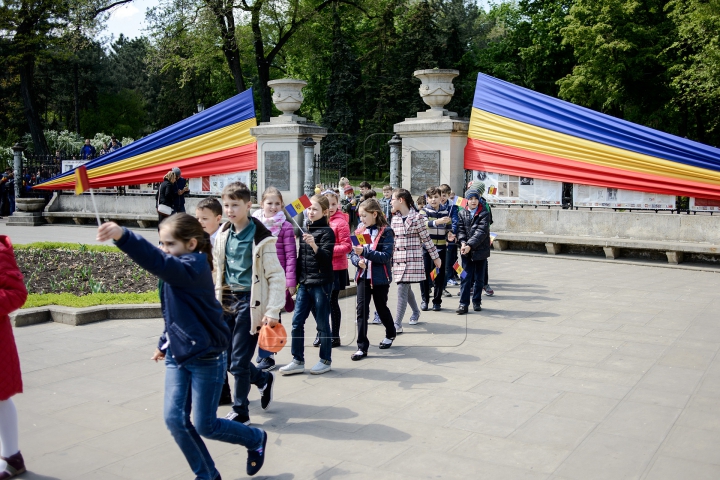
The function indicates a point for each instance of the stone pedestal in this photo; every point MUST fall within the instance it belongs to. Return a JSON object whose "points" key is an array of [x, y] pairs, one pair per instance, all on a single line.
{"points": [[433, 143], [28, 212], [280, 150]]}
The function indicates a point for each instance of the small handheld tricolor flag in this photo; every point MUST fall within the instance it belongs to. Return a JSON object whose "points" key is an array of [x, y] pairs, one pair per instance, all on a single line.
{"points": [[434, 274], [461, 203], [82, 183], [492, 237], [361, 239], [460, 271], [298, 206]]}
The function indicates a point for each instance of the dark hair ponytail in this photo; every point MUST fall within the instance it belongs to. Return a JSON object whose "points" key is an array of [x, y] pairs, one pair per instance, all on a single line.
{"points": [[184, 227], [406, 197]]}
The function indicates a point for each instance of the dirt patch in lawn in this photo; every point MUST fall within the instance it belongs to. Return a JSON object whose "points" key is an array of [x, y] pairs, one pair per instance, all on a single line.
{"points": [[82, 272]]}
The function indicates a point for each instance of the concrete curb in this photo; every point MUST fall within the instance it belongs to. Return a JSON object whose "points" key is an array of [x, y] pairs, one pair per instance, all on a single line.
{"points": [[85, 315]]}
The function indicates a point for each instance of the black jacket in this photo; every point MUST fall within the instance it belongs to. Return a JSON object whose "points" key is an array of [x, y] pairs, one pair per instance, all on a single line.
{"points": [[474, 230], [194, 321], [315, 268], [167, 194]]}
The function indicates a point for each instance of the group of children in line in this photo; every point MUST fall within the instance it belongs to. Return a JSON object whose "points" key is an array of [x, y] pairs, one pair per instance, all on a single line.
{"points": [[220, 283]]}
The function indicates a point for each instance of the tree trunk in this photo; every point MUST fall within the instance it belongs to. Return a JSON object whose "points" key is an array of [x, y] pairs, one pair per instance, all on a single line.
{"points": [[76, 95], [226, 24], [263, 66], [27, 67]]}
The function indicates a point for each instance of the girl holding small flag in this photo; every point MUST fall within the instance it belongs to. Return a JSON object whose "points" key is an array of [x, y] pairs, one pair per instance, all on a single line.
{"points": [[372, 255], [411, 237], [315, 284], [474, 239]]}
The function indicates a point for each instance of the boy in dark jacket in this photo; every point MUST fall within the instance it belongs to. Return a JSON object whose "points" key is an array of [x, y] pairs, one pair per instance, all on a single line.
{"points": [[474, 240]]}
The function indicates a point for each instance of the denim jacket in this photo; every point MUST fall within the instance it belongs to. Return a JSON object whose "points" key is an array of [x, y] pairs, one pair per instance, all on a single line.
{"points": [[194, 322]]}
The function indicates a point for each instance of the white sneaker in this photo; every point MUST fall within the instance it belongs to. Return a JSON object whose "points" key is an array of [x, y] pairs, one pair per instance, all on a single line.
{"points": [[376, 319], [413, 320], [320, 368], [292, 368], [398, 330]]}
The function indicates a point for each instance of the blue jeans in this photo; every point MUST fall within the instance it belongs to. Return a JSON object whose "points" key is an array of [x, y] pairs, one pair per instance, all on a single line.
{"points": [[317, 298], [241, 350], [474, 280], [196, 386]]}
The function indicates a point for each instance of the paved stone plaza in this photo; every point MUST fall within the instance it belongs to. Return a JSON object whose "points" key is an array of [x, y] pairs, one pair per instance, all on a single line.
{"points": [[574, 370]]}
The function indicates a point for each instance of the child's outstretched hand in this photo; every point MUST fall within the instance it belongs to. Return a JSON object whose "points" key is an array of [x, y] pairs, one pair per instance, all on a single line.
{"points": [[158, 355], [358, 250], [109, 230]]}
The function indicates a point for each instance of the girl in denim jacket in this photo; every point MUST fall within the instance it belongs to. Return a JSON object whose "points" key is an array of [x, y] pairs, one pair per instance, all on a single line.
{"points": [[194, 343]]}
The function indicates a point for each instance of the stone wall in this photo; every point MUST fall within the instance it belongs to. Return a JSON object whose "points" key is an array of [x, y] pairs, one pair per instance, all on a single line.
{"points": [[629, 225]]}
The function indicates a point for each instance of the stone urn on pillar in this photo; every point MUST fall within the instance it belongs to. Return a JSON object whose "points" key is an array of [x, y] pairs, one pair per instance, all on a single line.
{"points": [[436, 91], [287, 97]]}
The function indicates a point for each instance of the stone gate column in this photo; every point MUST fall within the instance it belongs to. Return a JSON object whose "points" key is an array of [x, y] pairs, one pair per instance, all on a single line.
{"points": [[433, 143], [280, 150]]}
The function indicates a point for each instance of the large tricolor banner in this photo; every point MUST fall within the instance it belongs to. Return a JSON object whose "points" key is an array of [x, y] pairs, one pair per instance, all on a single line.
{"points": [[516, 131], [213, 142]]}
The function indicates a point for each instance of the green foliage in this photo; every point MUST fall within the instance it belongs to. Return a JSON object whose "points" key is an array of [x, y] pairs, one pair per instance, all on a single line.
{"points": [[90, 300], [81, 247]]}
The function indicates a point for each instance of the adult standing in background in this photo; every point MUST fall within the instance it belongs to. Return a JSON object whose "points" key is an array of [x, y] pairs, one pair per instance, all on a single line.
{"points": [[115, 144], [182, 187], [167, 193], [88, 151]]}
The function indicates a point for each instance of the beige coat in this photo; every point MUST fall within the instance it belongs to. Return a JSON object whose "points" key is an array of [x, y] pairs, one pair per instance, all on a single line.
{"points": [[267, 293]]}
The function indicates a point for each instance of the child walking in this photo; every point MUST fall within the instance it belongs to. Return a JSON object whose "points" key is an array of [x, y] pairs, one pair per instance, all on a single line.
{"points": [[339, 223], [272, 215], [315, 284], [12, 296], [411, 237], [194, 343], [439, 225], [209, 214], [250, 284], [374, 261], [474, 238]]}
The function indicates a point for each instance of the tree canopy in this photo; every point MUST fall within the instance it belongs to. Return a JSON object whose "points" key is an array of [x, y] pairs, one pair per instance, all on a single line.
{"points": [[655, 62]]}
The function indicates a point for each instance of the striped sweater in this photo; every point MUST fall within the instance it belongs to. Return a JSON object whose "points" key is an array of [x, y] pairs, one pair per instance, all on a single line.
{"points": [[438, 233]]}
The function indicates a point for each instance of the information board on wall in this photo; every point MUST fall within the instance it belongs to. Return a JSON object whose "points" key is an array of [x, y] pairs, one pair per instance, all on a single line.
{"points": [[605, 197], [704, 205], [67, 165], [510, 189], [214, 184]]}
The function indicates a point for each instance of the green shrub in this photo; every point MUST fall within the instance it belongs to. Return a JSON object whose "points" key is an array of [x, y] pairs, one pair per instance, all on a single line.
{"points": [[91, 300]]}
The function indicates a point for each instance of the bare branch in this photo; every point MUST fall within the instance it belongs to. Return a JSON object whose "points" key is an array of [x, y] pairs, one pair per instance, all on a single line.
{"points": [[111, 6]]}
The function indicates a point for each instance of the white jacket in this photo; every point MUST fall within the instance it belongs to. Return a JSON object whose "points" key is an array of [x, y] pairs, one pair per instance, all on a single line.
{"points": [[267, 292]]}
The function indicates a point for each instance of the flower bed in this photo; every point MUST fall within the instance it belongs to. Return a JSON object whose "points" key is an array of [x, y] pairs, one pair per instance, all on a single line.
{"points": [[56, 268]]}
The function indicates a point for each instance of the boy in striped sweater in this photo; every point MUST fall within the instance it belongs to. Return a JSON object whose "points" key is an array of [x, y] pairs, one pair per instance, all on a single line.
{"points": [[439, 223]]}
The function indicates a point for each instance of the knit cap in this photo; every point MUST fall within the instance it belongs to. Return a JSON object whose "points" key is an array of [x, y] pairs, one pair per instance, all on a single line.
{"points": [[348, 189], [479, 186], [471, 193]]}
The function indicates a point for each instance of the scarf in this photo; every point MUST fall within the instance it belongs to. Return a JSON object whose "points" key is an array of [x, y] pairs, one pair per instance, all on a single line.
{"points": [[274, 224]]}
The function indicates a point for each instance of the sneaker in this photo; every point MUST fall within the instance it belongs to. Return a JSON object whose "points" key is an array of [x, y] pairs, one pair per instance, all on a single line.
{"points": [[385, 344], [489, 291], [15, 465], [336, 343], [237, 417], [376, 319], [436, 307], [398, 330], [477, 307], [266, 392], [462, 309], [316, 342], [451, 282], [359, 355], [292, 368], [320, 368], [266, 364], [256, 458], [414, 319], [423, 306], [446, 293]]}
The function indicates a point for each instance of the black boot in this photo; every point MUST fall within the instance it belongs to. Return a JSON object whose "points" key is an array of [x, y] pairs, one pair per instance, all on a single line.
{"points": [[462, 309]]}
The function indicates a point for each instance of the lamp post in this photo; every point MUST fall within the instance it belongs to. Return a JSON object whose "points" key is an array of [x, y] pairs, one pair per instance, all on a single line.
{"points": [[17, 167]]}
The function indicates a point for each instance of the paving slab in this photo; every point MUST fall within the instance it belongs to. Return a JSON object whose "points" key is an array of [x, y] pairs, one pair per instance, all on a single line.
{"points": [[574, 370]]}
